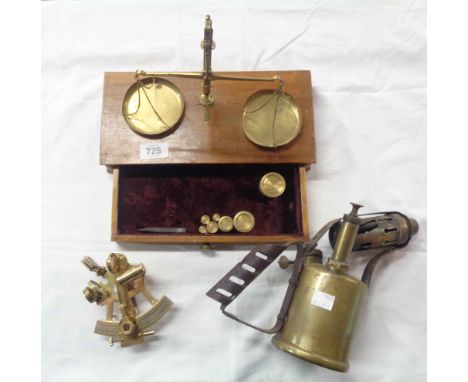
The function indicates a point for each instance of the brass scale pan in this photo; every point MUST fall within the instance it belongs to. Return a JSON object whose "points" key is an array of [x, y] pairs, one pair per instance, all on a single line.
{"points": [[152, 106], [270, 118]]}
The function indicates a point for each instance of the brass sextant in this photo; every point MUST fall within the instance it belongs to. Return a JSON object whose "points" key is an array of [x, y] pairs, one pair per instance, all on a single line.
{"points": [[124, 282], [322, 302], [153, 105]]}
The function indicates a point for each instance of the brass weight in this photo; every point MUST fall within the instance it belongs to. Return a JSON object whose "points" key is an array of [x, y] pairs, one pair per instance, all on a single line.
{"points": [[244, 221], [225, 224], [205, 219], [272, 185], [212, 227]]}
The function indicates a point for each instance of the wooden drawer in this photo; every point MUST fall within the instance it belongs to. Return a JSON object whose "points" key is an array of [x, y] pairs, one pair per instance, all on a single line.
{"points": [[178, 195]]}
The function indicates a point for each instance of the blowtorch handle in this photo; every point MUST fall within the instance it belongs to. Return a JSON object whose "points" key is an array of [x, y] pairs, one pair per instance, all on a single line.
{"points": [[228, 288]]}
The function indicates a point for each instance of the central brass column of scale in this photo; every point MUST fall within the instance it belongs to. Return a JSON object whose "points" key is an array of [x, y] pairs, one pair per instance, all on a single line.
{"points": [[153, 106]]}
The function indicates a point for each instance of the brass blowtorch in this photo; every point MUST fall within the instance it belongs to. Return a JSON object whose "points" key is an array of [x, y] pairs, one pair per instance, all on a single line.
{"points": [[322, 302]]}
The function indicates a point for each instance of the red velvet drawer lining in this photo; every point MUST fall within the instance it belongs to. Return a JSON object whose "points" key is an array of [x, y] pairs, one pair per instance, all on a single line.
{"points": [[178, 195]]}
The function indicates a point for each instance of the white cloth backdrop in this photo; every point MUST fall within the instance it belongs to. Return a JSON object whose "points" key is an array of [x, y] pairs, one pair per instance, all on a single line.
{"points": [[368, 63]]}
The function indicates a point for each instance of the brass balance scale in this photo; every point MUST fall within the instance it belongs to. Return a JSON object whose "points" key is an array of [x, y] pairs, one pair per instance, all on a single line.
{"points": [[154, 106]]}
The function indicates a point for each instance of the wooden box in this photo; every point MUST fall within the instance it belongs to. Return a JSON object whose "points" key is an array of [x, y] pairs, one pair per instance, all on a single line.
{"points": [[209, 167]]}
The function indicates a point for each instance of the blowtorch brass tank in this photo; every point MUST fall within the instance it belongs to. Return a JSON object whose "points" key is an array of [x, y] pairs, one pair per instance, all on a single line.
{"points": [[322, 316]]}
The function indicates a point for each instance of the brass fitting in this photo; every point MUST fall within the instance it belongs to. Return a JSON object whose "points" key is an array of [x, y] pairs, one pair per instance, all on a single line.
{"points": [[345, 241], [94, 292]]}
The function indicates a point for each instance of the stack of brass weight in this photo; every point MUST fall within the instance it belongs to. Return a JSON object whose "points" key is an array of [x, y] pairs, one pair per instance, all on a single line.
{"points": [[271, 185], [242, 222]]}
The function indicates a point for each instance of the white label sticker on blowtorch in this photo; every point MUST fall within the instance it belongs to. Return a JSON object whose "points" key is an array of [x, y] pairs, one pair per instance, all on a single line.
{"points": [[154, 150], [323, 300]]}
